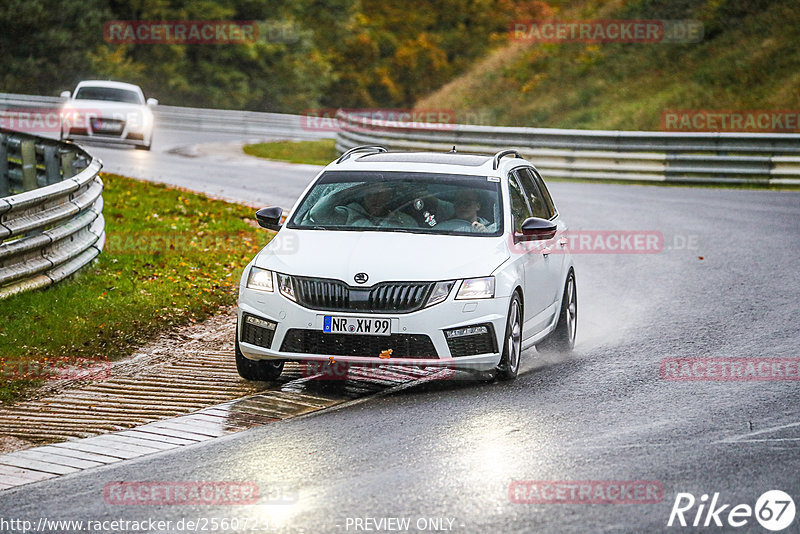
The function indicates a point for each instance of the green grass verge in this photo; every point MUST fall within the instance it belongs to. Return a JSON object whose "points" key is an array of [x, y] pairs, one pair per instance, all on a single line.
{"points": [[319, 152], [171, 257]]}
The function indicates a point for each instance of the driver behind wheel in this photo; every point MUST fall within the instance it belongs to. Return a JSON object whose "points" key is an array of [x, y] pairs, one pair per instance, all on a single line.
{"points": [[376, 210]]}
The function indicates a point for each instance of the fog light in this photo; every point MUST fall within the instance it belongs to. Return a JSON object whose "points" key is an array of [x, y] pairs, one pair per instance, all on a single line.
{"points": [[255, 321], [468, 331]]}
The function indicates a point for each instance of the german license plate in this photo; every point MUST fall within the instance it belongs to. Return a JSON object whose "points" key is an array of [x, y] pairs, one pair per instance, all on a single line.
{"points": [[356, 325], [105, 126]]}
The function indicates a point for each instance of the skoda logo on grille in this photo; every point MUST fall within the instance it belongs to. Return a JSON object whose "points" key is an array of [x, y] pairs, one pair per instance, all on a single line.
{"points": [[361, 278]]}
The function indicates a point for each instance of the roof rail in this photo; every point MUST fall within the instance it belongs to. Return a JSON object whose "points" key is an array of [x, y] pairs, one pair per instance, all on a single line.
{"points": [[372, 148], [500, 155]]}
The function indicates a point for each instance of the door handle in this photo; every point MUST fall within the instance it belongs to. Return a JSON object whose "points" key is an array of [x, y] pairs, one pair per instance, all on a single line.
{"points": [[562, 242], [546, 251]]}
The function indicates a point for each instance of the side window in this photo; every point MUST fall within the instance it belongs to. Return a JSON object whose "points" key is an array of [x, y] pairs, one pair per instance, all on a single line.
{"points": [[545, 193], [519, 206], [536, 198]]}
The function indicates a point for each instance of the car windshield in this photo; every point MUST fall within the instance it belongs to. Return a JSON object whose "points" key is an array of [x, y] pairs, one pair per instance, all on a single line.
{"points": [[111, 94], [428, 203]]}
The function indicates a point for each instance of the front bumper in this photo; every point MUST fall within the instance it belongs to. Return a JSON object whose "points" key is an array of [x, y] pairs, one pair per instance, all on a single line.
{"points": [[408, 329], [126, 139]]}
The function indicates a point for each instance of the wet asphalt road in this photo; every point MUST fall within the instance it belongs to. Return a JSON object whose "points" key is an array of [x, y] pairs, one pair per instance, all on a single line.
{"points": [[179, 158], [450, 449]]}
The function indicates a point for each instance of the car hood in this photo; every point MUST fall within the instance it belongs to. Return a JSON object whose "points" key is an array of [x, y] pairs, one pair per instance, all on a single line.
{"points": [[384, 256]]}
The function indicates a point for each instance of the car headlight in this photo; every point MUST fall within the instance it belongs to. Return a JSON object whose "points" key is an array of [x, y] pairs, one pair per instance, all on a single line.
{"points": [[476, 288], [260, 279], [440, 292], [285, 287], [139, 121], [68, 114]]}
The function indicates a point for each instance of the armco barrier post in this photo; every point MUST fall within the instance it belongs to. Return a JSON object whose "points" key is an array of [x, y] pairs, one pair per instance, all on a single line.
{"points": [[27, 150], [5, 186], [67, 160], [51, 164]]}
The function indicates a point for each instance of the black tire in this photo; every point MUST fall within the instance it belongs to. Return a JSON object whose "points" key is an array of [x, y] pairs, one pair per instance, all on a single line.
{"points": [[562, 339], [257, 370], [508, 367]]}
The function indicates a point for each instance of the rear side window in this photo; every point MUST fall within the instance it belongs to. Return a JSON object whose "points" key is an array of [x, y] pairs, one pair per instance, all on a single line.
{"points": [[540, 203]]}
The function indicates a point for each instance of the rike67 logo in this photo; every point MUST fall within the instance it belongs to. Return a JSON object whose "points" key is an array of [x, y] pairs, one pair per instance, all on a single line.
{"points": [[774, 510]]}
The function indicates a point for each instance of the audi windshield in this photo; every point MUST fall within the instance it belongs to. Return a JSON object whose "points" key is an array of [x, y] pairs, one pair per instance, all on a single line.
{"points": [[110, 94], [402, 202]]}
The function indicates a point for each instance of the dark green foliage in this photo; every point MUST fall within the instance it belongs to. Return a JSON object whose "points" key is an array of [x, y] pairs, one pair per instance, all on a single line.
{"points": [[310, 53]]}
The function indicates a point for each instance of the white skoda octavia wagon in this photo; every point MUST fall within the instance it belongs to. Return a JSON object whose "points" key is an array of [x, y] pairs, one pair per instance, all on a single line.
{"points": [[421, 259]]}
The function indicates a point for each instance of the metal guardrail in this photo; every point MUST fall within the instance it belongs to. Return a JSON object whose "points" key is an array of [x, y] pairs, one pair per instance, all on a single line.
{"points": [[51, 211], [599, 154], [183, 118], [673, 157]]}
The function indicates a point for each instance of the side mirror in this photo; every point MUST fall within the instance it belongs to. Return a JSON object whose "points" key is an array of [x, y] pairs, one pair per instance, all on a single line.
{"points": [[65, 95], [152, 102], [538, 229], [270, 218]]}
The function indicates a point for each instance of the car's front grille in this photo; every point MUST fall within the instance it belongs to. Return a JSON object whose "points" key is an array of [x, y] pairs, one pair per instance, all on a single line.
{"points": [[335, 295], [317, 342], [473, 344]]}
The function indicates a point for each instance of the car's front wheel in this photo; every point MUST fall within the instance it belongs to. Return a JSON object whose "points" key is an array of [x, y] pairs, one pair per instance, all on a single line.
{"points": [[562, 339], [512, 347], [258, 370]]}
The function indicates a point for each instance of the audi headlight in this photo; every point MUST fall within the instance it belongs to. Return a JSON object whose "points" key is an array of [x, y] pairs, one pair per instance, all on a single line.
{"points": [[285, 287], [440, 292], [260, 279], [138, 121], [476, 288], [68, 114]]}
